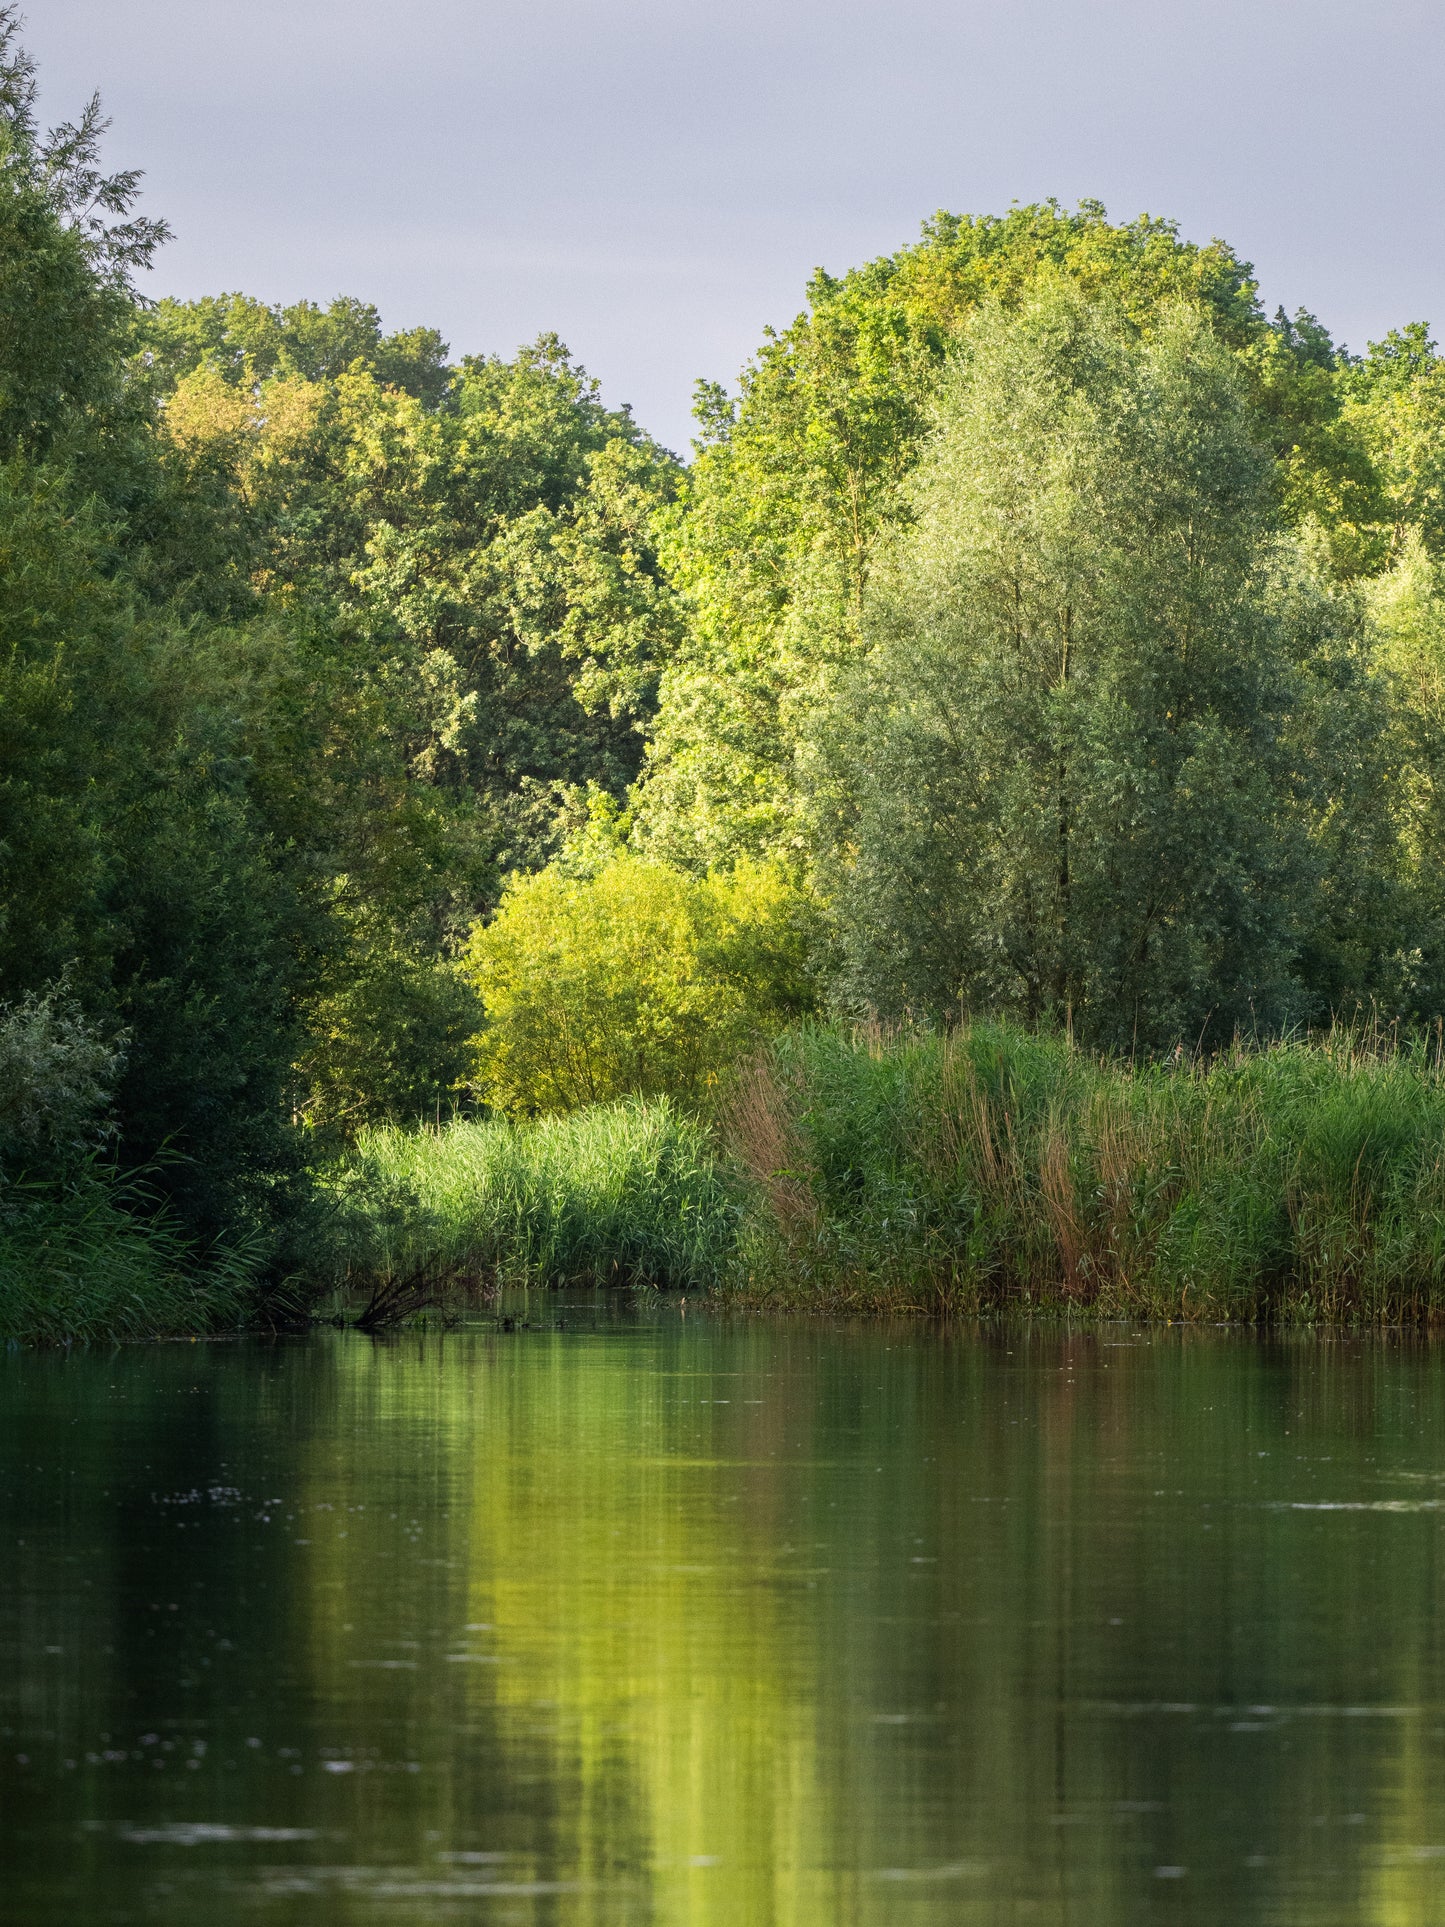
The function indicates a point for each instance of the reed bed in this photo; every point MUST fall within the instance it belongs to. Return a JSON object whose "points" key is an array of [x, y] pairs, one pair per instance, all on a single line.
{"points": [[986, 1170], [630, 1194], [991, 1169]]}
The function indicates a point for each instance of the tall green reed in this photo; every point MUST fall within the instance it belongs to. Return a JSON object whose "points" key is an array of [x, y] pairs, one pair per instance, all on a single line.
{"points": [[91, 1256], [992, 1168], [627, 1193], [985, 1169]]}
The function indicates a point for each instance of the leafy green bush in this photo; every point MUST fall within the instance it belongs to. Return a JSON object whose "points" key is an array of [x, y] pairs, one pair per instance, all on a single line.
{"points": [[57, 1075], [638, 979]]}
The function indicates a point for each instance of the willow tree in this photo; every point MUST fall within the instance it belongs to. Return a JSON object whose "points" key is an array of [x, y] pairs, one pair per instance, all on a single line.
{"points": [[1065, 777]]}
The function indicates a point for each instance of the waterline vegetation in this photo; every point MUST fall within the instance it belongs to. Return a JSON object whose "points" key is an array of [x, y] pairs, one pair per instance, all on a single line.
{"points": [[983, 1170], [1041, 631], [991, 1169], [629, 1194]]}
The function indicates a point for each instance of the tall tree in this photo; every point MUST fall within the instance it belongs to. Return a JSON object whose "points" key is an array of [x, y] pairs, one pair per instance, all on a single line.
{"points": [[1069, 786], [134, 864], [797, 481]]}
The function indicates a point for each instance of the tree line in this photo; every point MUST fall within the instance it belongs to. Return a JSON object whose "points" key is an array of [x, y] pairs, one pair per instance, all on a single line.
{"points": [[1039, 629]]}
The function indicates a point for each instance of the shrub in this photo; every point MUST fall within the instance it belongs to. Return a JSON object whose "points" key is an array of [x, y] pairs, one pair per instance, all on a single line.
{"points": [[391, 1041], [56, 1077], [639, 979]]}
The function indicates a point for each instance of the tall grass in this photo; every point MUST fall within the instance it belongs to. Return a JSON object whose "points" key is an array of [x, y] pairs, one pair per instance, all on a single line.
{"points": [[618, 1194], [992, 1168], [988, 1169], [92, 1257]]}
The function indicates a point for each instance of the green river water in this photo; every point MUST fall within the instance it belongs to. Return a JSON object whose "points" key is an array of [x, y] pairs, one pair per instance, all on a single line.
{"points": [[667, 1619]]}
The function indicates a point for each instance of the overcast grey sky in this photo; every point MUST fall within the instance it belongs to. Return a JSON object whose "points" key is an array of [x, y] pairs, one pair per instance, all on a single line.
{"points": [[654, 179]]}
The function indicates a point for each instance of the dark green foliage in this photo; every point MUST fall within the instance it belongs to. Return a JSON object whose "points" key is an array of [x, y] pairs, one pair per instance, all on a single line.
{"points": [[205, 981], [133, 861], [85, 1256], [57, 1076], [67, 250], [86, 1251]]}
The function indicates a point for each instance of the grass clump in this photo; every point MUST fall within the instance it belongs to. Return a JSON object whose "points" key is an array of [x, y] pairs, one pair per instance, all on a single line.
{"points": [[992, 1167], [625, 1193]]}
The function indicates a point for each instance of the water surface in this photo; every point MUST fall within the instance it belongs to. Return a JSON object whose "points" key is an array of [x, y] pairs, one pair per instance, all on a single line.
{"points": [[661, 1619]]}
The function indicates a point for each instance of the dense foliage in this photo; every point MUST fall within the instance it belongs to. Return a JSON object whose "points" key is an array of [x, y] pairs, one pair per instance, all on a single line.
{"points": [[1068, 750], [307, 640], [636, 978], [1074, 628], [1040, 629]]}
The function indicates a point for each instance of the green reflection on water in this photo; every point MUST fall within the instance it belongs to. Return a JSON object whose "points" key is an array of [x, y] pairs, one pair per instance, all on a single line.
{"points": [[720, 1623]]}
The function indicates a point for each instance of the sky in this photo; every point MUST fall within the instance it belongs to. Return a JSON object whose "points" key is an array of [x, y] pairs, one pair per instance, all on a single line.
{"points": [[654, 180]]}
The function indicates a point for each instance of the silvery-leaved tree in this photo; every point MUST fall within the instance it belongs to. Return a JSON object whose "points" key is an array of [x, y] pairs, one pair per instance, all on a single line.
{"points": [[1061, 781]]}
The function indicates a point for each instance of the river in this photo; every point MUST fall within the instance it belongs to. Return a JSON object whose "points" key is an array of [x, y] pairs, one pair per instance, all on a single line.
{"points": [[655, 1617]]}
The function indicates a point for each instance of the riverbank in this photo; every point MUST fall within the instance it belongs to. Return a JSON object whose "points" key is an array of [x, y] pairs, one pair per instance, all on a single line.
{"points": [[634, 1194], [984, 1171], [988, 1171]]}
